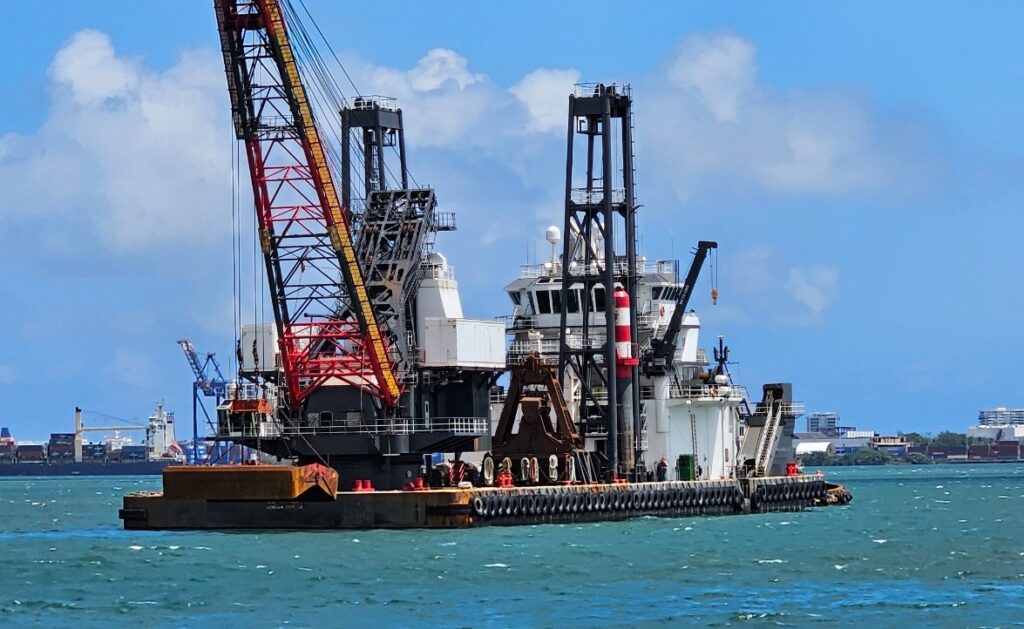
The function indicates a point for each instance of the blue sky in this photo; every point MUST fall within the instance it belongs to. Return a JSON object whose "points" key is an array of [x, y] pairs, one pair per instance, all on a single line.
{"points": [[859, 164]]}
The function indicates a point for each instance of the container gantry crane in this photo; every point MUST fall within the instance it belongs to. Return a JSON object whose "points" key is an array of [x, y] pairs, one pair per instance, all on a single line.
{"points": [[209, 382]]}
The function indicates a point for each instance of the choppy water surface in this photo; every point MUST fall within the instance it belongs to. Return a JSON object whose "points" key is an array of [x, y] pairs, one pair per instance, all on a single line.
{"points": [[939, 545]]}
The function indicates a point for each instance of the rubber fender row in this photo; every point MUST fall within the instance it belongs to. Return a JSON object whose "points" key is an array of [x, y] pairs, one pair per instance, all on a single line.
{"points": [[774, 490], [551, 501]]}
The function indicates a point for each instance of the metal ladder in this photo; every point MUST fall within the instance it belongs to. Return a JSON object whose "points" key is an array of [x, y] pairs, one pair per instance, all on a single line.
{"points": [[693, 441], [773, 416]]}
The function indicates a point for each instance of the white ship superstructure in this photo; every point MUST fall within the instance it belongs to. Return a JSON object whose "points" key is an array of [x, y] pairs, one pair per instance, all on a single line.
{"points": [[692, 415]]}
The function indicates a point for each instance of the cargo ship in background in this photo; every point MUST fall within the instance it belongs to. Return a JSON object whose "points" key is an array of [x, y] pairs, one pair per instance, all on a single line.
{"points": [[68, 454]]}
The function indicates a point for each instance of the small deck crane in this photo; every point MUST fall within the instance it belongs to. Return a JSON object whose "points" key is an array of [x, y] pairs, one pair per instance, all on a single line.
{"points": [[658, 360]]}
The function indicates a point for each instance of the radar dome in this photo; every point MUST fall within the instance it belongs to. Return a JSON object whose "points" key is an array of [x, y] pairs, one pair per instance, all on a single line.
{"points": [[553, 234]]}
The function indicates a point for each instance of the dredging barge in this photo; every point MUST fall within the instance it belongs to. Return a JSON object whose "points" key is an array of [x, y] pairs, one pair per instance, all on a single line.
{"points": [[296, 498], [370, 371]]}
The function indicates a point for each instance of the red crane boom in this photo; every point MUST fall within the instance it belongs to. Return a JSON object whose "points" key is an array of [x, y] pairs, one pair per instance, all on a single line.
{"points": [[326, 326]]}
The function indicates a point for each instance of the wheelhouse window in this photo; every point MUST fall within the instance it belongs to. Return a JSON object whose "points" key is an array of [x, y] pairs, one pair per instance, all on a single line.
{"points": [[574, 300], [543, 302]]}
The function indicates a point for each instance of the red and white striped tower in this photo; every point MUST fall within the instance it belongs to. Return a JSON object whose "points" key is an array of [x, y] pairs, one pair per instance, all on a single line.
{"points": [[624, 363], [623, 338]]}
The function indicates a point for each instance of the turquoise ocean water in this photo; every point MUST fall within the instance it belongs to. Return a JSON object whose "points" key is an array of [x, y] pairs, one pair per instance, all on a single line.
{"points": [[938, 545]]}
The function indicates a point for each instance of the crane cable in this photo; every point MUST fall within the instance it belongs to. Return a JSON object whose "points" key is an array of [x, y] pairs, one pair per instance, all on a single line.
{"points": [[714, 277]]}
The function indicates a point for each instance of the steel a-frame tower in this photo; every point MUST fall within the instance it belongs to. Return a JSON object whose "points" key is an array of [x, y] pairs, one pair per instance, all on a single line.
{"points": [[599, 252]]}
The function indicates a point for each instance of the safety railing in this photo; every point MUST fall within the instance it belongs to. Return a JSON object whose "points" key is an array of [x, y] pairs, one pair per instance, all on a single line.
{"points": [[582, 196], [387, 103], [553, 268], [457, 425], [437, 271], [698, 392]]}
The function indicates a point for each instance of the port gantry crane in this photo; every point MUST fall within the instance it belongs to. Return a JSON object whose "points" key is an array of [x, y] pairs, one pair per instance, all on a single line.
{"points": [[209, 382], [326, 326]]}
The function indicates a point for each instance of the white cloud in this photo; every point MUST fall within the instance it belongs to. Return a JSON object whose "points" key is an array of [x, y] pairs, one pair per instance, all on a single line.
{"points": [[711, 126], [750, 282], [443, 102], [544, 94], [719, 68], [439, 66], [138, 157], [89, 67], [815, 287]]}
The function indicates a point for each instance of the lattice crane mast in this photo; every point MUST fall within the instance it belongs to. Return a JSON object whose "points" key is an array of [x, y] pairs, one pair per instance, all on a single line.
{"points": [[326, 324]]}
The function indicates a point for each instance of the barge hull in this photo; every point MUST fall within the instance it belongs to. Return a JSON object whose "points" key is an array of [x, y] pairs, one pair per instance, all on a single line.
{"points": [[452, 508]]}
